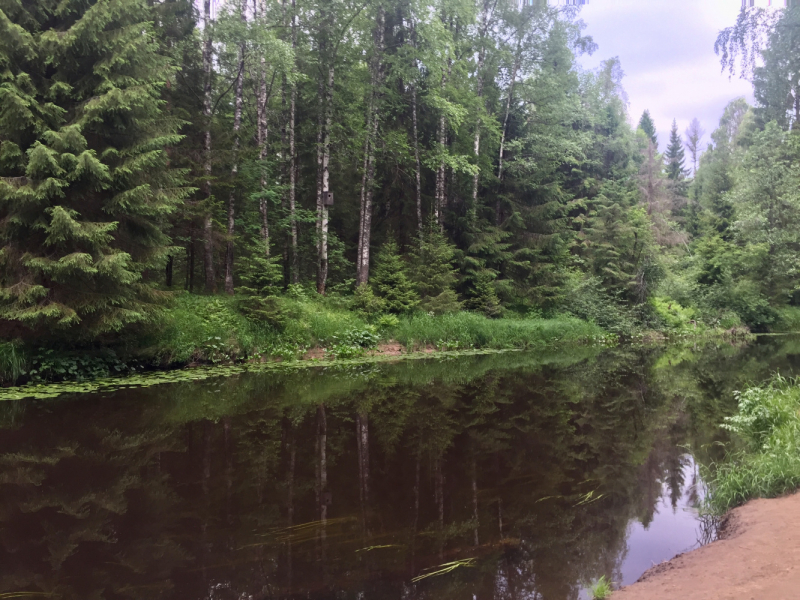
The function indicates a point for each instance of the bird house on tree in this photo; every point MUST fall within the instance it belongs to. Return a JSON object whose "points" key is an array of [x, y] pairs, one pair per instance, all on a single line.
{"points": [[327, 198]]}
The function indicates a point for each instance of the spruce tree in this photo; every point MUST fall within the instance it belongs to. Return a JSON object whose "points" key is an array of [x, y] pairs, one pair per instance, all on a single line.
{"points": [[85, 181], [391, 282], [433, 272], [647, 125], [675, 156]]}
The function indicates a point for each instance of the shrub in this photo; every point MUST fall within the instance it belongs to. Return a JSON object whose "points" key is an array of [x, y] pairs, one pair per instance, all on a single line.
{"points": [[366, 302], [390, 280], [673, 316], [768, 424]]}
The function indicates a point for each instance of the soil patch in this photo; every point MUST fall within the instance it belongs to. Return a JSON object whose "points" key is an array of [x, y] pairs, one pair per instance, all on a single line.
{"points": [[756, 558]]}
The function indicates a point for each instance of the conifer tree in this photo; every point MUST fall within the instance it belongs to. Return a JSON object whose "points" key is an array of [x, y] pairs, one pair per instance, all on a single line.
{"points": [[433, 272], [85, 182], [391, 281], [675, 156], [647, 125]]}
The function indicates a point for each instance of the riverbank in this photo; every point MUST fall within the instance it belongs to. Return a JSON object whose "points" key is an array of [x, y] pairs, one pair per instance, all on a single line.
{"points": [[757, 557], [198, 330]]}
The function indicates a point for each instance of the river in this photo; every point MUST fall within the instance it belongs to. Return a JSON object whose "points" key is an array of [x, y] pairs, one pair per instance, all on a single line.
{"points": [[508, 476]]}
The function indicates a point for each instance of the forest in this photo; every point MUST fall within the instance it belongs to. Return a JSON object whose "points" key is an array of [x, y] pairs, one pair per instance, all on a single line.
{"points": [[210, 181]]}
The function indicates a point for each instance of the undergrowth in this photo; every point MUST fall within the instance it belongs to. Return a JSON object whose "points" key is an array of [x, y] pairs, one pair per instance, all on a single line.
{"points": [[767, 462]]}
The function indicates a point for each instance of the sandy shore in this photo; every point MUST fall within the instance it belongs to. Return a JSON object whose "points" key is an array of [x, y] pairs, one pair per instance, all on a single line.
{"points": [[757, 558]]}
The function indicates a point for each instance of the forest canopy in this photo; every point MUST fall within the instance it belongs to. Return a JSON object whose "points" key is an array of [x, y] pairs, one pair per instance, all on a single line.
{"points": [[407, 157]]}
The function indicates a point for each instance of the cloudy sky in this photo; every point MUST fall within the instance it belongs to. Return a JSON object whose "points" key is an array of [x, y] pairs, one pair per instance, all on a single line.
{"points": [[667, 52]]}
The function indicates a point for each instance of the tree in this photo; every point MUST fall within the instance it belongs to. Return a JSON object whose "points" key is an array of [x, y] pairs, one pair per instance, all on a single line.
{"points": [[776, 83], [675, 155], [391, 281], [86, 185], [767, 203], [692, 136], [433, 273], [647, 125]]}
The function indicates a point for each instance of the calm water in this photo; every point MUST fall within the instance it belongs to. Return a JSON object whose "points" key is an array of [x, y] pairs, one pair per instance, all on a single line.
{"points": [[519, 475]]}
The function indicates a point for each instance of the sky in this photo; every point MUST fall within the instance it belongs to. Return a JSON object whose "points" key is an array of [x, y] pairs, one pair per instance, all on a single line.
{"points": [[666, 48]]}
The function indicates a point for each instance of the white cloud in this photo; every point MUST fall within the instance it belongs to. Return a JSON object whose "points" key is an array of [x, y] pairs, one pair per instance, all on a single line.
{"points": [[666, 48]]}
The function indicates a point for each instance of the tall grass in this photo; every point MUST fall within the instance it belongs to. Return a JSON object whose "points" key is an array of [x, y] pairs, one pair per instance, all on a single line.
{"points": [[768, 464], [13, 362], [198, 326], [470, 330]]}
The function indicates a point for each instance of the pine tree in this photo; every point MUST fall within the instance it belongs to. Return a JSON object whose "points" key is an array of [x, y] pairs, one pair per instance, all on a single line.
{"points": [[433, 272], [675, 156], [391, 281], [647, 125], [85, 182]]}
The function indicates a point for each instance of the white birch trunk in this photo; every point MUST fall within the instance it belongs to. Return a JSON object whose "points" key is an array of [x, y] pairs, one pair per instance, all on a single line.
{"points": [[367, 181]]}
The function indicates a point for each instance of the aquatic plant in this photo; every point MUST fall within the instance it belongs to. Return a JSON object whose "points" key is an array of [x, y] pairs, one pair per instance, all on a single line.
{"points": [[601, 589]]}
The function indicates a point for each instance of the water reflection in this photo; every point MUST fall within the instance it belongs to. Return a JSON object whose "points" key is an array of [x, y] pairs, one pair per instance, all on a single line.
{"points": [[509, 476]]}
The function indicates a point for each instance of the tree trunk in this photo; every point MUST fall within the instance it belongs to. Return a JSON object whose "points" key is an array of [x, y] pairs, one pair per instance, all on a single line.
{"points": [[415, 133], [295, 273], [417, 168], [367, 181], [190, 262], [441, 138], [263, 145], [320, 137], [479, 76], [208, 232], [168, 271], [322, 268], [237, 123], [508, 110], [498, 211]]}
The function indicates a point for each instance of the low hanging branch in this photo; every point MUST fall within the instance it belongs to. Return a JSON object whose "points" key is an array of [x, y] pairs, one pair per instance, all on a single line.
{"points": [[744, 41]]}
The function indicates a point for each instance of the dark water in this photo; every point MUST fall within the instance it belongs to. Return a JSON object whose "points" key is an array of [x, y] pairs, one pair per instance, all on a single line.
{"points": [[518, 475]]}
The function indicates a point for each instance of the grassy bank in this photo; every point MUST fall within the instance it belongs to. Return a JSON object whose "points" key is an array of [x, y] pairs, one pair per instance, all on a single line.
{"points": [[766, 460], [203, 330]]}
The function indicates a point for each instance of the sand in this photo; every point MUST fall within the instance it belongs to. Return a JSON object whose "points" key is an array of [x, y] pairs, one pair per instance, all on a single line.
{"points": [[756, 558]]}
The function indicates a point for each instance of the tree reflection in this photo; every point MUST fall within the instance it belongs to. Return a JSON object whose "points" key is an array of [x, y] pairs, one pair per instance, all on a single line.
{"points": [[516, 476]]}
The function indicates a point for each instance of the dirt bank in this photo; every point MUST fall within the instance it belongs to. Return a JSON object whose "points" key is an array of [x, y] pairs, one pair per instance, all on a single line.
{"points": [[758, 558]]}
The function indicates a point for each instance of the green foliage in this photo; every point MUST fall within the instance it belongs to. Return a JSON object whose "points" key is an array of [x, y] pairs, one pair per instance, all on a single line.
{"points": [[354, 342], [601, 589], [675, 317], [52, 365], [647, 125], [470, 330], [366, 302], [433, 273], [588, 300], [768, 423], [788, 319], [13, 362], [391, 281], [261, 280], [675, 156], [85, 180]]}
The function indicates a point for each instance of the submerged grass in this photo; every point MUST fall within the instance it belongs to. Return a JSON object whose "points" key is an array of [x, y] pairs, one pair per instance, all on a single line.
{"points": [[768, 463]]}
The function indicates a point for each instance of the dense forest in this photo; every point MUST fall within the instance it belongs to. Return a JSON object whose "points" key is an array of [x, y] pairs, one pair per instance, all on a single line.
{"points": [[399, 157]]}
